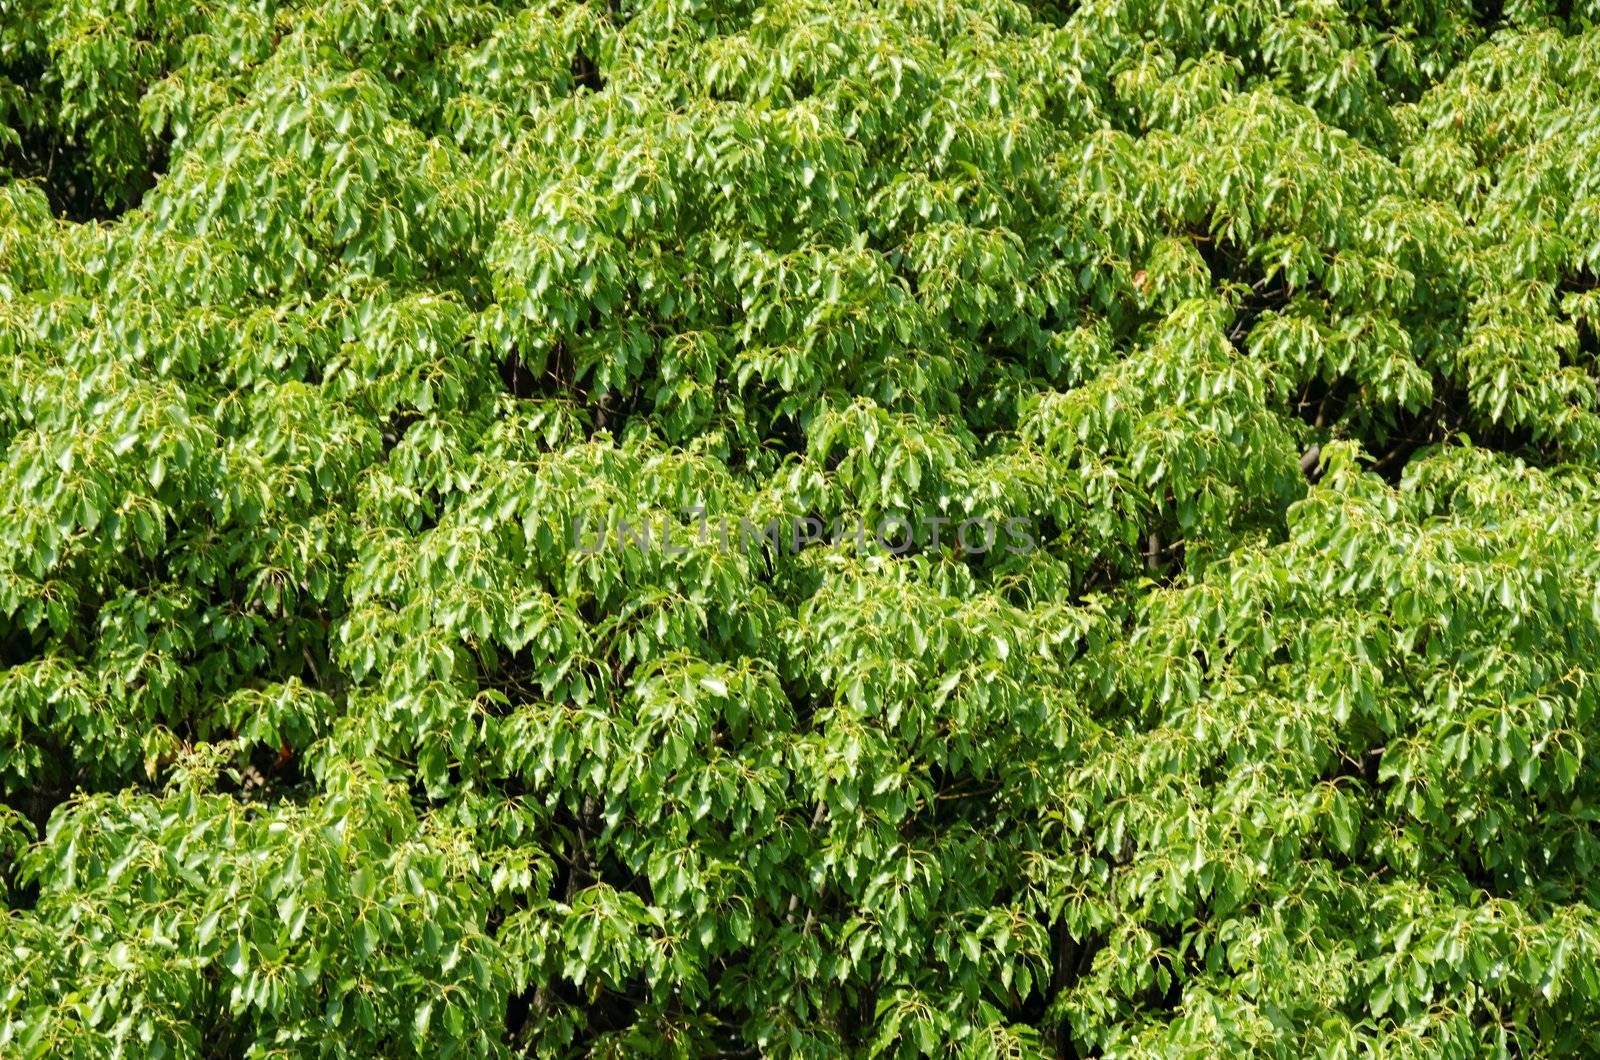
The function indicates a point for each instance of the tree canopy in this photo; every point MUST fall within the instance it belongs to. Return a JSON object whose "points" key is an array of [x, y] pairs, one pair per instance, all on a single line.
{"points": [[1273, 325]]}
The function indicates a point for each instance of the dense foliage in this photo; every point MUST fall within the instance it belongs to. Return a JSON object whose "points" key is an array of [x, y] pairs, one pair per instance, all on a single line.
{"points": [[322, 323]]}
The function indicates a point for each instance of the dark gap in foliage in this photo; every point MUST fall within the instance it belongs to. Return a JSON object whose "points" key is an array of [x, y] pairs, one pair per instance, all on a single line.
{"points": [[1163, 556], [519, 1006], [784, 435], [61, 173], [612, 1011], [18, 645], [1588, 333], [1166, 997], [1070, 959], [1451, 416], [512, 676], [1583, 280], [1053, 12], [1262, 295], [1512, 441], [608, 1010], [805, 705], [1323, 402], [612, 410], [39, 803], [520, 381], [608, 410], [605, 1012], [1257, 294], [1218, 262], [19, 897], [1490, 15], [578, 869], [585, 73], [396, 426], [67, 176], [272, 770], [1412, 432]]}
